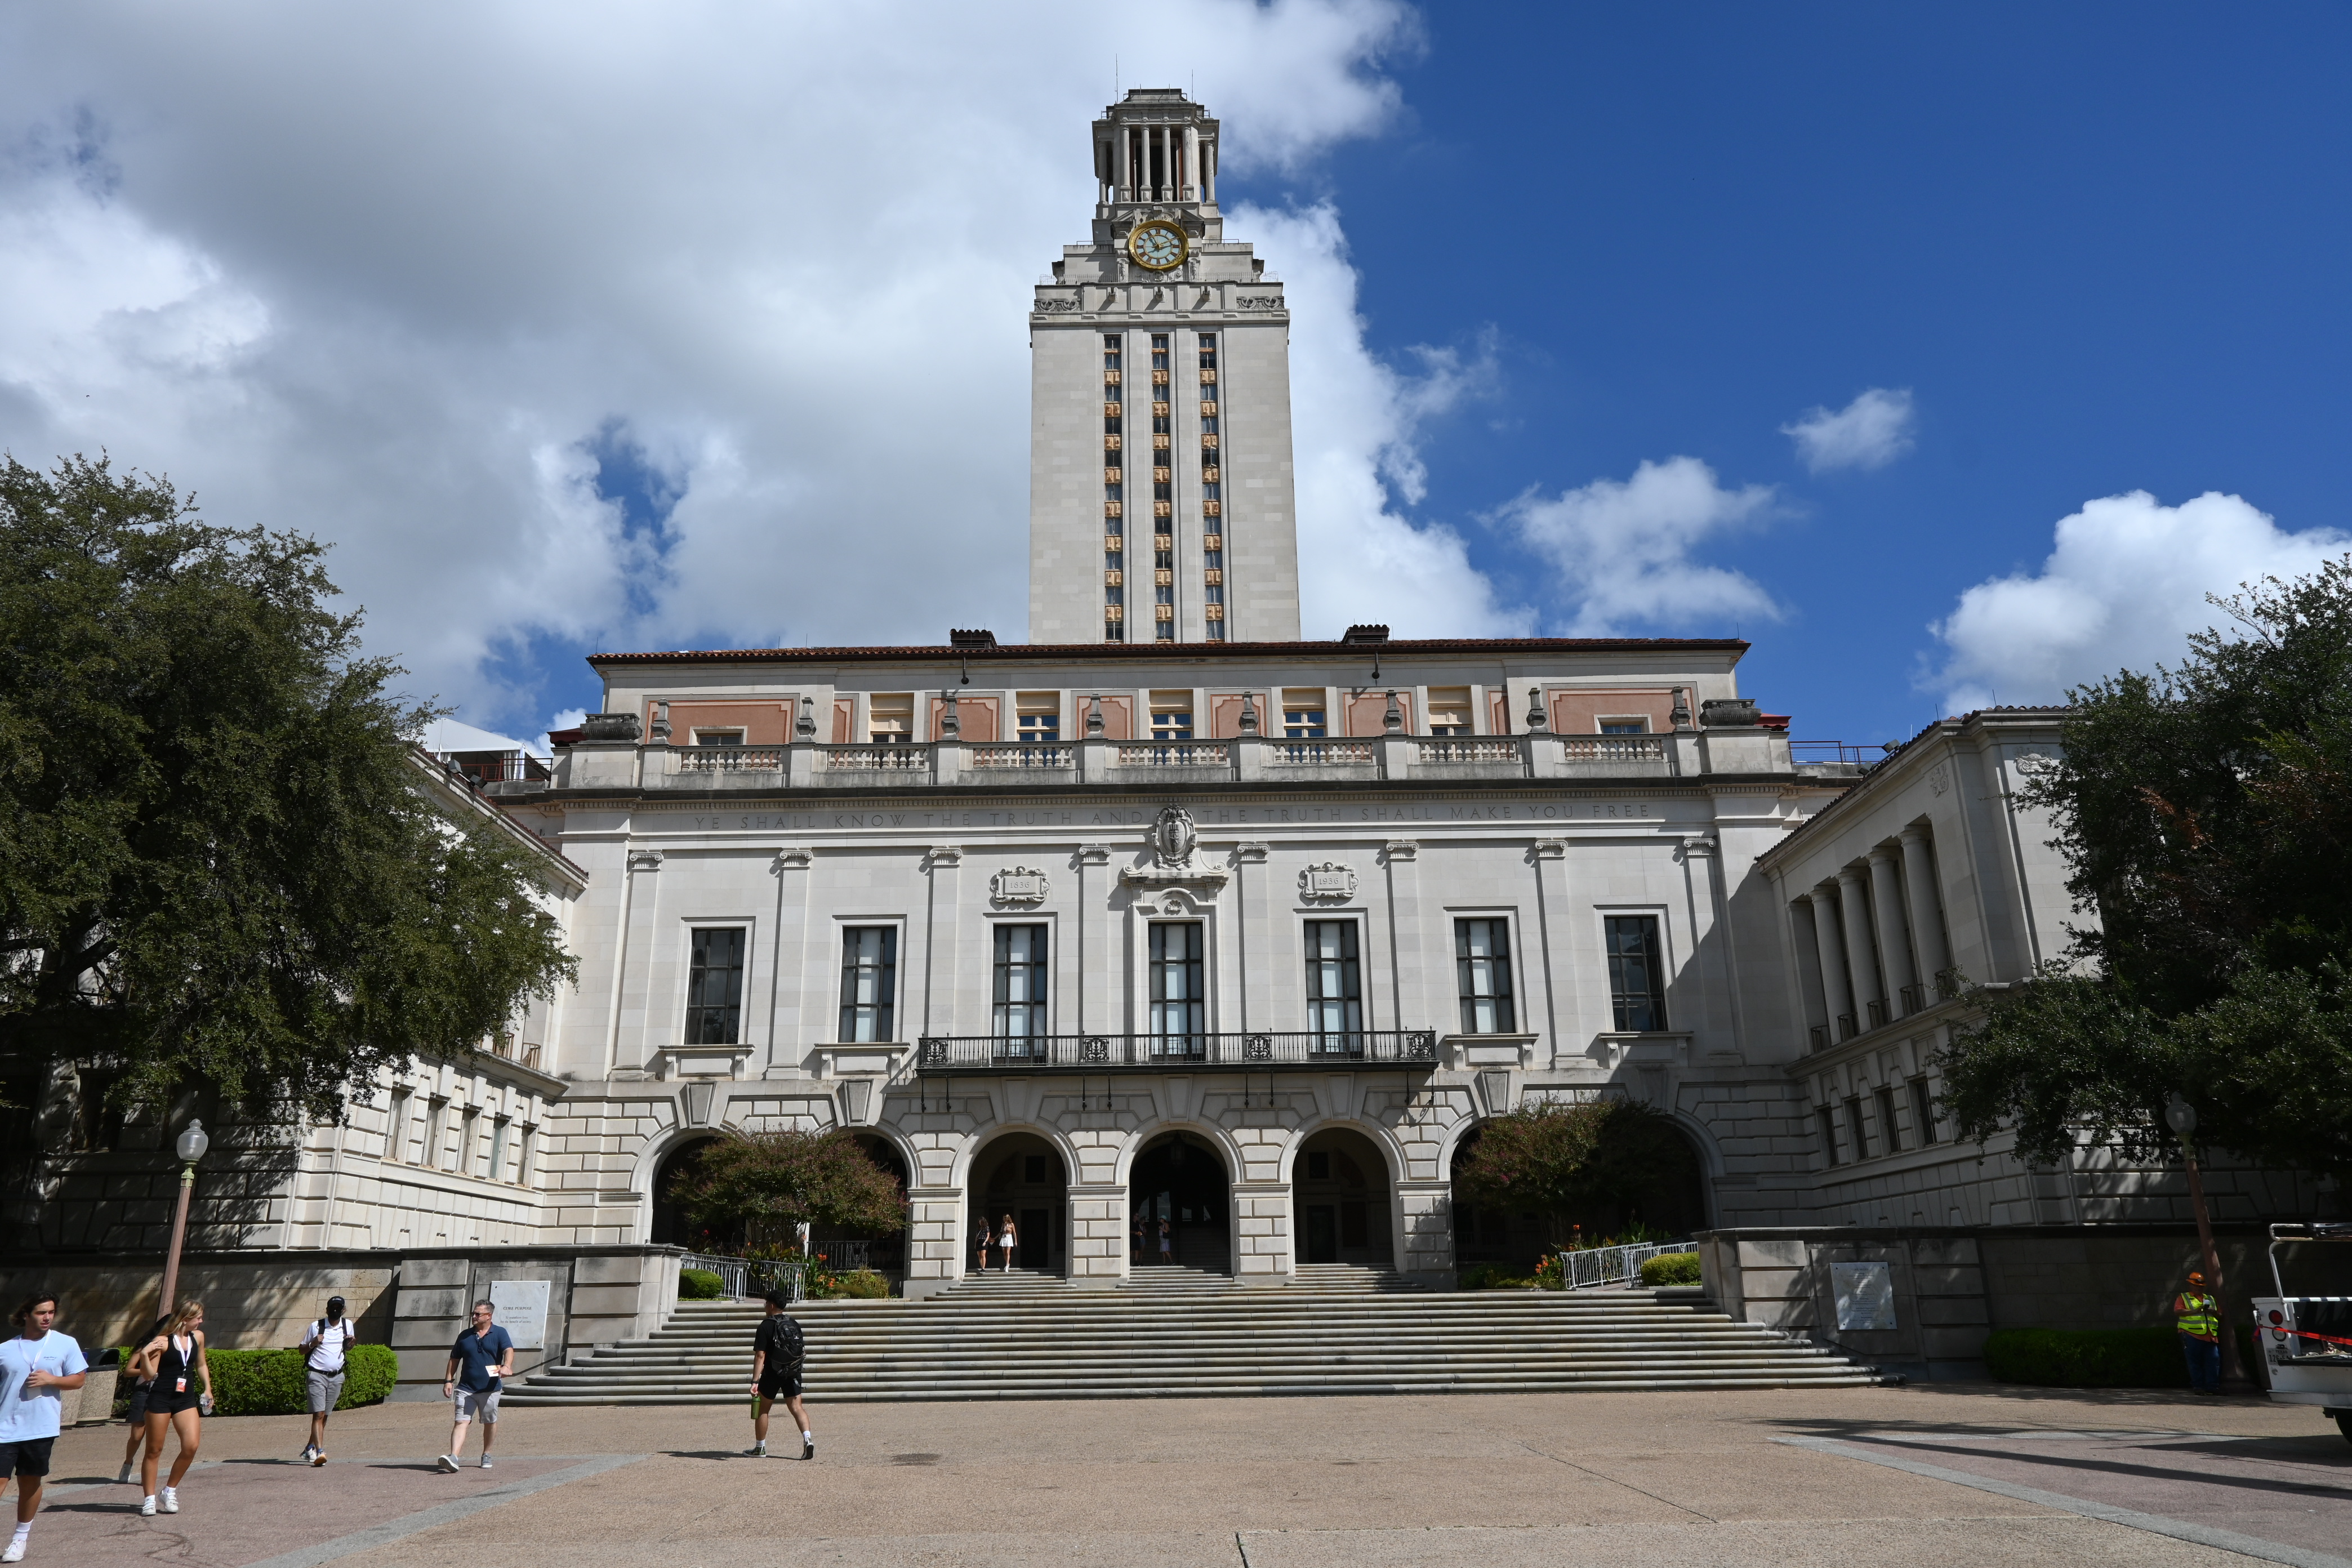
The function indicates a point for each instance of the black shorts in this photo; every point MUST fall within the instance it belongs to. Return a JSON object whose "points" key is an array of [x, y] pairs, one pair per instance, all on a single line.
{"points": [[162, 1401], [780, 1385], [26, 1457], [139, 1393]]}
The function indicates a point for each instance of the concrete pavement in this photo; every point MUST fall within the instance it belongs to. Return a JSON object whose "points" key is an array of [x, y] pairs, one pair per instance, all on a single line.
{"points": [[1920, 1477]]}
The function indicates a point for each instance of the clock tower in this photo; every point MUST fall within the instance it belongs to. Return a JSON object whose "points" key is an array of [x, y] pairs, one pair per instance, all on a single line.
{"points": [[1160, 499]]}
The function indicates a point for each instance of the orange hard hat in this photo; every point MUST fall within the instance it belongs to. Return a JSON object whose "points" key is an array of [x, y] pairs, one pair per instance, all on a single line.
{"points": [[2196, 1277]]}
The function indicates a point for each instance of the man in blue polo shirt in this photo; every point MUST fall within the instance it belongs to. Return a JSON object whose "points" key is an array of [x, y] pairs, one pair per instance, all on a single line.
{"points": [[479, 1362], [36, 1367]]}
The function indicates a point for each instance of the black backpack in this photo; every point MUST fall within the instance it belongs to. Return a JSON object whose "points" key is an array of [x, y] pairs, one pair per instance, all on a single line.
{"points": [[780, 1340]]}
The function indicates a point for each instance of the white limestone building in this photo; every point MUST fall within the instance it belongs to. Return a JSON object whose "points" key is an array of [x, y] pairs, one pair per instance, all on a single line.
{"points": [[1203, 924]]}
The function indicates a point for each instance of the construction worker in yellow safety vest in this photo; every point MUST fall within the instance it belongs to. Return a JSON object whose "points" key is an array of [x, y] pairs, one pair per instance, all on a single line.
{"points": [[2198, 1318]]}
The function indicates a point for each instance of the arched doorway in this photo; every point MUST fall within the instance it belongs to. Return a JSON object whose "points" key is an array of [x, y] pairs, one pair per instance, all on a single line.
{"points": [[884, 1252], [1645, 1176], [1179, 1186], [1339, 1201], [670, 1226], [1023, 1175]]}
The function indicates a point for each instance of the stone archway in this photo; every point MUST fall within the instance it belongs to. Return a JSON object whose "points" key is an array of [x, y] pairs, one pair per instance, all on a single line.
{"points": [[670, 1226], [1177, 1184], [1339, 1201], [1021, 1174], [882, 1251], [1655, 1179]]}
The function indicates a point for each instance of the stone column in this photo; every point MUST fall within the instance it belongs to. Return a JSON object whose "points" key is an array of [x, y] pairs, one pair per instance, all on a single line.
{"points": [[1252, 907], [1862, 969], [1835, 993], [1424, 1220], [1408, 946], [945, 863], [1886, 906], [1209, 171], [1262, 1232], [1095, 1014], [1191, 186], [1926, 911], [789, 996]]}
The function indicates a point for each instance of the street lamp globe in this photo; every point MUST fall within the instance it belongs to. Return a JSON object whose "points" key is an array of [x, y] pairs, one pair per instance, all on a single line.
{"points": [[2180, 1116], [193, 1143]]}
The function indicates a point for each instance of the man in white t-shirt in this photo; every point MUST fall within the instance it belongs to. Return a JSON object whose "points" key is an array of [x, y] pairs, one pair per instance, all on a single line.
{"points": [[36, 1367], [326, 1350]]}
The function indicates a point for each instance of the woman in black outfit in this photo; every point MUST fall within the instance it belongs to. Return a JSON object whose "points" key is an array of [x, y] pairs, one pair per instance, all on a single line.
{"points": [[177, 1360]]}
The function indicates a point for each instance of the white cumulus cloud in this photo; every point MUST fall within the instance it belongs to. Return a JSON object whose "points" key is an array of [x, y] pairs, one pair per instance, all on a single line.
{"points": [[1871, 432], [420, 281], [1623, 552], [2123, 588]]}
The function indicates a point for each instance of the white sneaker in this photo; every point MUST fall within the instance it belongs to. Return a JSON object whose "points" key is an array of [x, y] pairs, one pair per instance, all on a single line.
{"points": [[170, 1499], [147, 1505], [448, 1463], [16, 1550], [318, 1458], [130, 1473]]}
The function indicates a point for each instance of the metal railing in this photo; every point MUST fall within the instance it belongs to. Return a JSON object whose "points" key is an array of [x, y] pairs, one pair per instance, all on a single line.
{"points": [[886, 1254], [1252, 1052], [1868, 756], [740, 1279], [729, 759], [498, 767], [1601, 1266]]}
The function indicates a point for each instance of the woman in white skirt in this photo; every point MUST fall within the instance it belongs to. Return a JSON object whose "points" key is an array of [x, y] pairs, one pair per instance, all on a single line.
{"points": [[1008, 1238]]}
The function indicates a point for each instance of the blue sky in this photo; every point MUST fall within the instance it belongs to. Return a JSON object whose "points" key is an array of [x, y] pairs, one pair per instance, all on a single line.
{"points": [[2106, 247], [591, 325]]}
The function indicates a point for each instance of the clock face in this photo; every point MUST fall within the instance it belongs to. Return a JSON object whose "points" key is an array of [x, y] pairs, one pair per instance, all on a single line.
{"points": [[1158, 245]]}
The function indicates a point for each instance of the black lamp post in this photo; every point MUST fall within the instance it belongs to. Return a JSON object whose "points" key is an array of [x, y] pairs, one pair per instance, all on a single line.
{"points": [[190, 1148]]}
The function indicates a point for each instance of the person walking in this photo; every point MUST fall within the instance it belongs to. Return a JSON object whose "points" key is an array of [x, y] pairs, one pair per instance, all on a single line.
{"points": [[479, 1364], [176, 1403], [2197, 1319], [778, 1351], [326, 1352], [987, 1234], [140, 1388], [1167, 1244], [1007, 1238], [36, 1369]]}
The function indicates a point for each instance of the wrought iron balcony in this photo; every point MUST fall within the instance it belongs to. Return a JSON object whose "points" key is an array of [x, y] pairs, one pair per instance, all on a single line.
{"points": [[1392, 1049]]}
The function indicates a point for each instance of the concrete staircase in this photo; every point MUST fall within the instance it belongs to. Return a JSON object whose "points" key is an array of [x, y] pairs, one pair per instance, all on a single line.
{"points": [[1173, 1331]]}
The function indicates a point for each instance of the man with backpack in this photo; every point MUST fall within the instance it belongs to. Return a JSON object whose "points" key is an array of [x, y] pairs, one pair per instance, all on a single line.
{"points": [[326, 1356], [776, 1354]]}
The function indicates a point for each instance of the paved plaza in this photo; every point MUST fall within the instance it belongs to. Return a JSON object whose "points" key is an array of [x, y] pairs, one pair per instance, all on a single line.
{"points": [[1917, 1476]]}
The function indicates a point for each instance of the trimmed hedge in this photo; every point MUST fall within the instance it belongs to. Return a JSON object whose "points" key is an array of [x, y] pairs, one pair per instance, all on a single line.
{"points": [[2094, 1358], [274, 1382], [1672, 1269], [1491, 1277], [700, 1285], [862, 1284]]}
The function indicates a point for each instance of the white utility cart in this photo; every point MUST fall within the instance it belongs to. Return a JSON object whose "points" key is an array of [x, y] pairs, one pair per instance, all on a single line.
{"points": [[2307, 1340]]}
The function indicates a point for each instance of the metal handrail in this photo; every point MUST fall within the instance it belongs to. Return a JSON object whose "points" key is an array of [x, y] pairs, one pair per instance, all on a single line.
{"points": [[1599, 1266], [1255, 1051], [743, 1278]]}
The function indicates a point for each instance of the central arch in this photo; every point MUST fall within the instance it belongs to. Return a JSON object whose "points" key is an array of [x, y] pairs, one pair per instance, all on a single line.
{"points": [[883, 1251], [1177, 1186], [1023, 1176], [669, 1225], [1339, 1199]]}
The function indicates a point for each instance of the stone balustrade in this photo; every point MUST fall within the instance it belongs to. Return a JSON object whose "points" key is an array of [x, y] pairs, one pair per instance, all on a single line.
{"points": [[1248, 759]]}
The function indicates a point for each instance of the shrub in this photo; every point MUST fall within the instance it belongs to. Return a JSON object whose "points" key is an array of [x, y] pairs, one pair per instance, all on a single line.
{"points": [[276, 1382], [861, 1285], [2095, 1358], [1491, 1277], [700, 1285], [1672, 1269]]}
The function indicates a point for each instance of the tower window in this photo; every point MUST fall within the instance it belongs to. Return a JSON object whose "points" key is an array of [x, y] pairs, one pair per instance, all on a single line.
{"points": [[1040, 714], [890, 717], [1449, 710], [1303, 714], [1171, 715]]}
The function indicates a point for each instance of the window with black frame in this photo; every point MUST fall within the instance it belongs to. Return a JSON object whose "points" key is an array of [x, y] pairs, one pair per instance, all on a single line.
{"points": [[1335, 996], [869, 982], [1021, 990], [1179, 1017], [1637, 980], [714, 987], [1481, 962]]}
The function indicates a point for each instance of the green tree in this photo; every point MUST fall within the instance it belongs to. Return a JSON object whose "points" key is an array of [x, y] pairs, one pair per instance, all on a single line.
{"points": [[772, 1181], [2205, 815], [1561, 1161], [216, 866]]}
